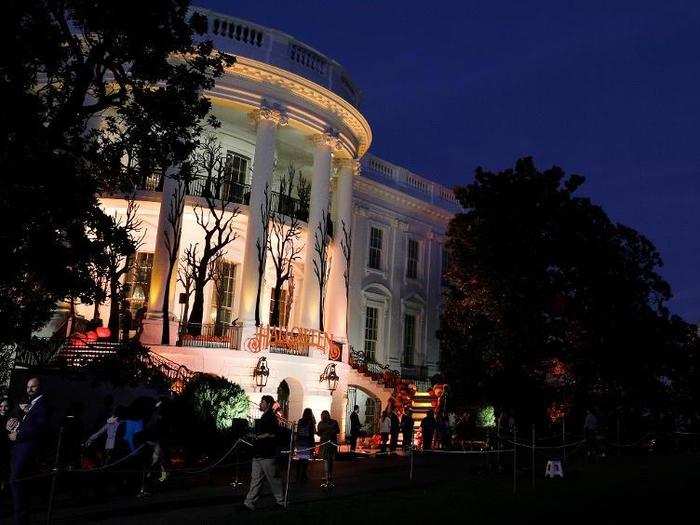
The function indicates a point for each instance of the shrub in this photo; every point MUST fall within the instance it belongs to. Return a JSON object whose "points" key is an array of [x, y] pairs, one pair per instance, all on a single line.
{"points": [[208, 415], [215, 402]]}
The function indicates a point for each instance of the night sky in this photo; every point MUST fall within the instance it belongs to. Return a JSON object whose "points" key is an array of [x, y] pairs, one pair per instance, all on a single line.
{"points": [[607, 89]]}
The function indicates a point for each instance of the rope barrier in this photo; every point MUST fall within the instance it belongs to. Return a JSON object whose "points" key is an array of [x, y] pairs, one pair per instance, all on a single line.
{"points": [[524, 445], [438, 451]]}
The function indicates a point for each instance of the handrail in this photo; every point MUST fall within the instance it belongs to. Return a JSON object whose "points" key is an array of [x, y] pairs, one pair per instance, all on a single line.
{"points": [[209, 335]]}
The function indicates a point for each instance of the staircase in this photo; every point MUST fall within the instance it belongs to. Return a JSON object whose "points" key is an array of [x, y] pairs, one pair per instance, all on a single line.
{"points": [[57, 354]]}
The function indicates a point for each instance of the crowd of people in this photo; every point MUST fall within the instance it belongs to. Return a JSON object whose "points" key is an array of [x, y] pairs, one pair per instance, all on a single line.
{"points": [[29, 447], [140, 433]]}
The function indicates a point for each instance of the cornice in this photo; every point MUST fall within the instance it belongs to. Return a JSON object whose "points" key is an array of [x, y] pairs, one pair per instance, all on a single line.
{"points": [[309, 91], [378, 189]]}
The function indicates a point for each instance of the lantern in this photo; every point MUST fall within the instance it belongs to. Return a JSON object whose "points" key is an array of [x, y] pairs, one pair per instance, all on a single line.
{"points": [[260, 373], [330, 376]]}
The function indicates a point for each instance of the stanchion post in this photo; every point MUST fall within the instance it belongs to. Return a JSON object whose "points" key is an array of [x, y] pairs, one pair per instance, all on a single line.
{"points": [[515, 460], [619, 435], [52, 491], [236, 483], [410, 473], [289, 465], [498, 444], [533, 456], [563, 438]]}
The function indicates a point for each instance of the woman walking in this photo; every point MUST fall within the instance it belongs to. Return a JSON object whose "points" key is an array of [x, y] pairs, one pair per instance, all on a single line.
{"points": [[328, 431], [306, 432]]}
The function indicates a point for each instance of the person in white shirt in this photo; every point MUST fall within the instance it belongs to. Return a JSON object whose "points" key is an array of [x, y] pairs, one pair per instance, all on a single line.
{"points": [[110, 430]]}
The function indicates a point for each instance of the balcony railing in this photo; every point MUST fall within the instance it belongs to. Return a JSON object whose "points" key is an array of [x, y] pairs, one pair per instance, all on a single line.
{"points": [[230, 192], [289, 206], [202, 187], [215, 335]]}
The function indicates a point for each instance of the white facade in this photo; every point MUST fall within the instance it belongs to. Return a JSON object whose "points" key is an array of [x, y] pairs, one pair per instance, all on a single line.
{"points": [[284, 103]]}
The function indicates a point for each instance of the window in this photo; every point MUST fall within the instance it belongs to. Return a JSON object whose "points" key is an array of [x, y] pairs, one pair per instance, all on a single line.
{"points": [[222, 298], [371, 415], [445, 265], [138, 280], [412, 259], [284, 307], [371, 332], [375, 248], [236, 173], [409, 339]]}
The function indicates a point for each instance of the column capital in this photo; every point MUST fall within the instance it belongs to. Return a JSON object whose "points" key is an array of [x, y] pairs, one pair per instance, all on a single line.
{"points": [[329, 138], [350, 164], [272, 112]]}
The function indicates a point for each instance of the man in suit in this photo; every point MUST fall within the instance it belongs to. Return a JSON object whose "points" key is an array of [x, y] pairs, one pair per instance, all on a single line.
{"points": [[355, 428], [28, 441]]}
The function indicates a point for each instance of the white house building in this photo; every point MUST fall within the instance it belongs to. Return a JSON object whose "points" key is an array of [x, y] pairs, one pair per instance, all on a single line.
{"points": [[284, 103]]}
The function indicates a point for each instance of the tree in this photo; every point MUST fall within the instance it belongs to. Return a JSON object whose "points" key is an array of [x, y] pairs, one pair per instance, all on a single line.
{"points": [[322, 263], [120, 242], [216, 221], [172, 237], [548, 299], [185, 276], [284, 243], [98, 85], [261, 246], [346, 248]]}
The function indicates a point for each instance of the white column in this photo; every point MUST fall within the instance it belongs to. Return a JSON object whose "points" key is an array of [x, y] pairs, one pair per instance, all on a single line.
{"points": [[320, 190], [336, 301], [267, 121], [153, 324]]}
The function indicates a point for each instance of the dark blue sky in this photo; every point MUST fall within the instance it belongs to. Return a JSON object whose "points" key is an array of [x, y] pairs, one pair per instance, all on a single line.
{"points": [[608, 89]]}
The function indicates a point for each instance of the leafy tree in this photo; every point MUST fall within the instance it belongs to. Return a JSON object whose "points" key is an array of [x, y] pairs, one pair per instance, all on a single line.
{"points": [[548, 299], [95, 95]]}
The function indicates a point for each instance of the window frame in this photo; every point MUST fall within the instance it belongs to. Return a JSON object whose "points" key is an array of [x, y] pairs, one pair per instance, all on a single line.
{"points": [[412, 263], [229, 292], [365, 339], [413, 338], [379, 250]]}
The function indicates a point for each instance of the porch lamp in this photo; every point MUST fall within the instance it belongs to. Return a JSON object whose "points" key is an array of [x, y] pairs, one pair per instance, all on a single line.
{"points": [[330, 376], [260, 373]]}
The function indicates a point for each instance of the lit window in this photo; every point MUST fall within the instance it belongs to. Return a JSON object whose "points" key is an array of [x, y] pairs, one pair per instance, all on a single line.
{"points": [[412, 259], [236, 172], [371, 332], [409, 339], [138, 280], [222, 299], [284, 307], [375, 248]]}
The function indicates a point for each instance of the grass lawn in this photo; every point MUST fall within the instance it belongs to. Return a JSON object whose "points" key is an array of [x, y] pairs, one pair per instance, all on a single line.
{"points": [[633, 490]]}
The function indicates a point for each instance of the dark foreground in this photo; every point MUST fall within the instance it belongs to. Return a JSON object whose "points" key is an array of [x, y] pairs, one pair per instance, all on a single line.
{"points": [[451, 489]]}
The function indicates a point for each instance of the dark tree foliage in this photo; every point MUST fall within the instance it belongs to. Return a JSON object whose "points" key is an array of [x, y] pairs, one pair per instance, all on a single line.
{"points": [[549, 300], [95, 95]]}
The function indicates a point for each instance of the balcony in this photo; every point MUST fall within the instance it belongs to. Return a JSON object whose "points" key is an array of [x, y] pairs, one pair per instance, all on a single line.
{"points": [[234, 192], [231, 192], [289, 206], [215, 335]]}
